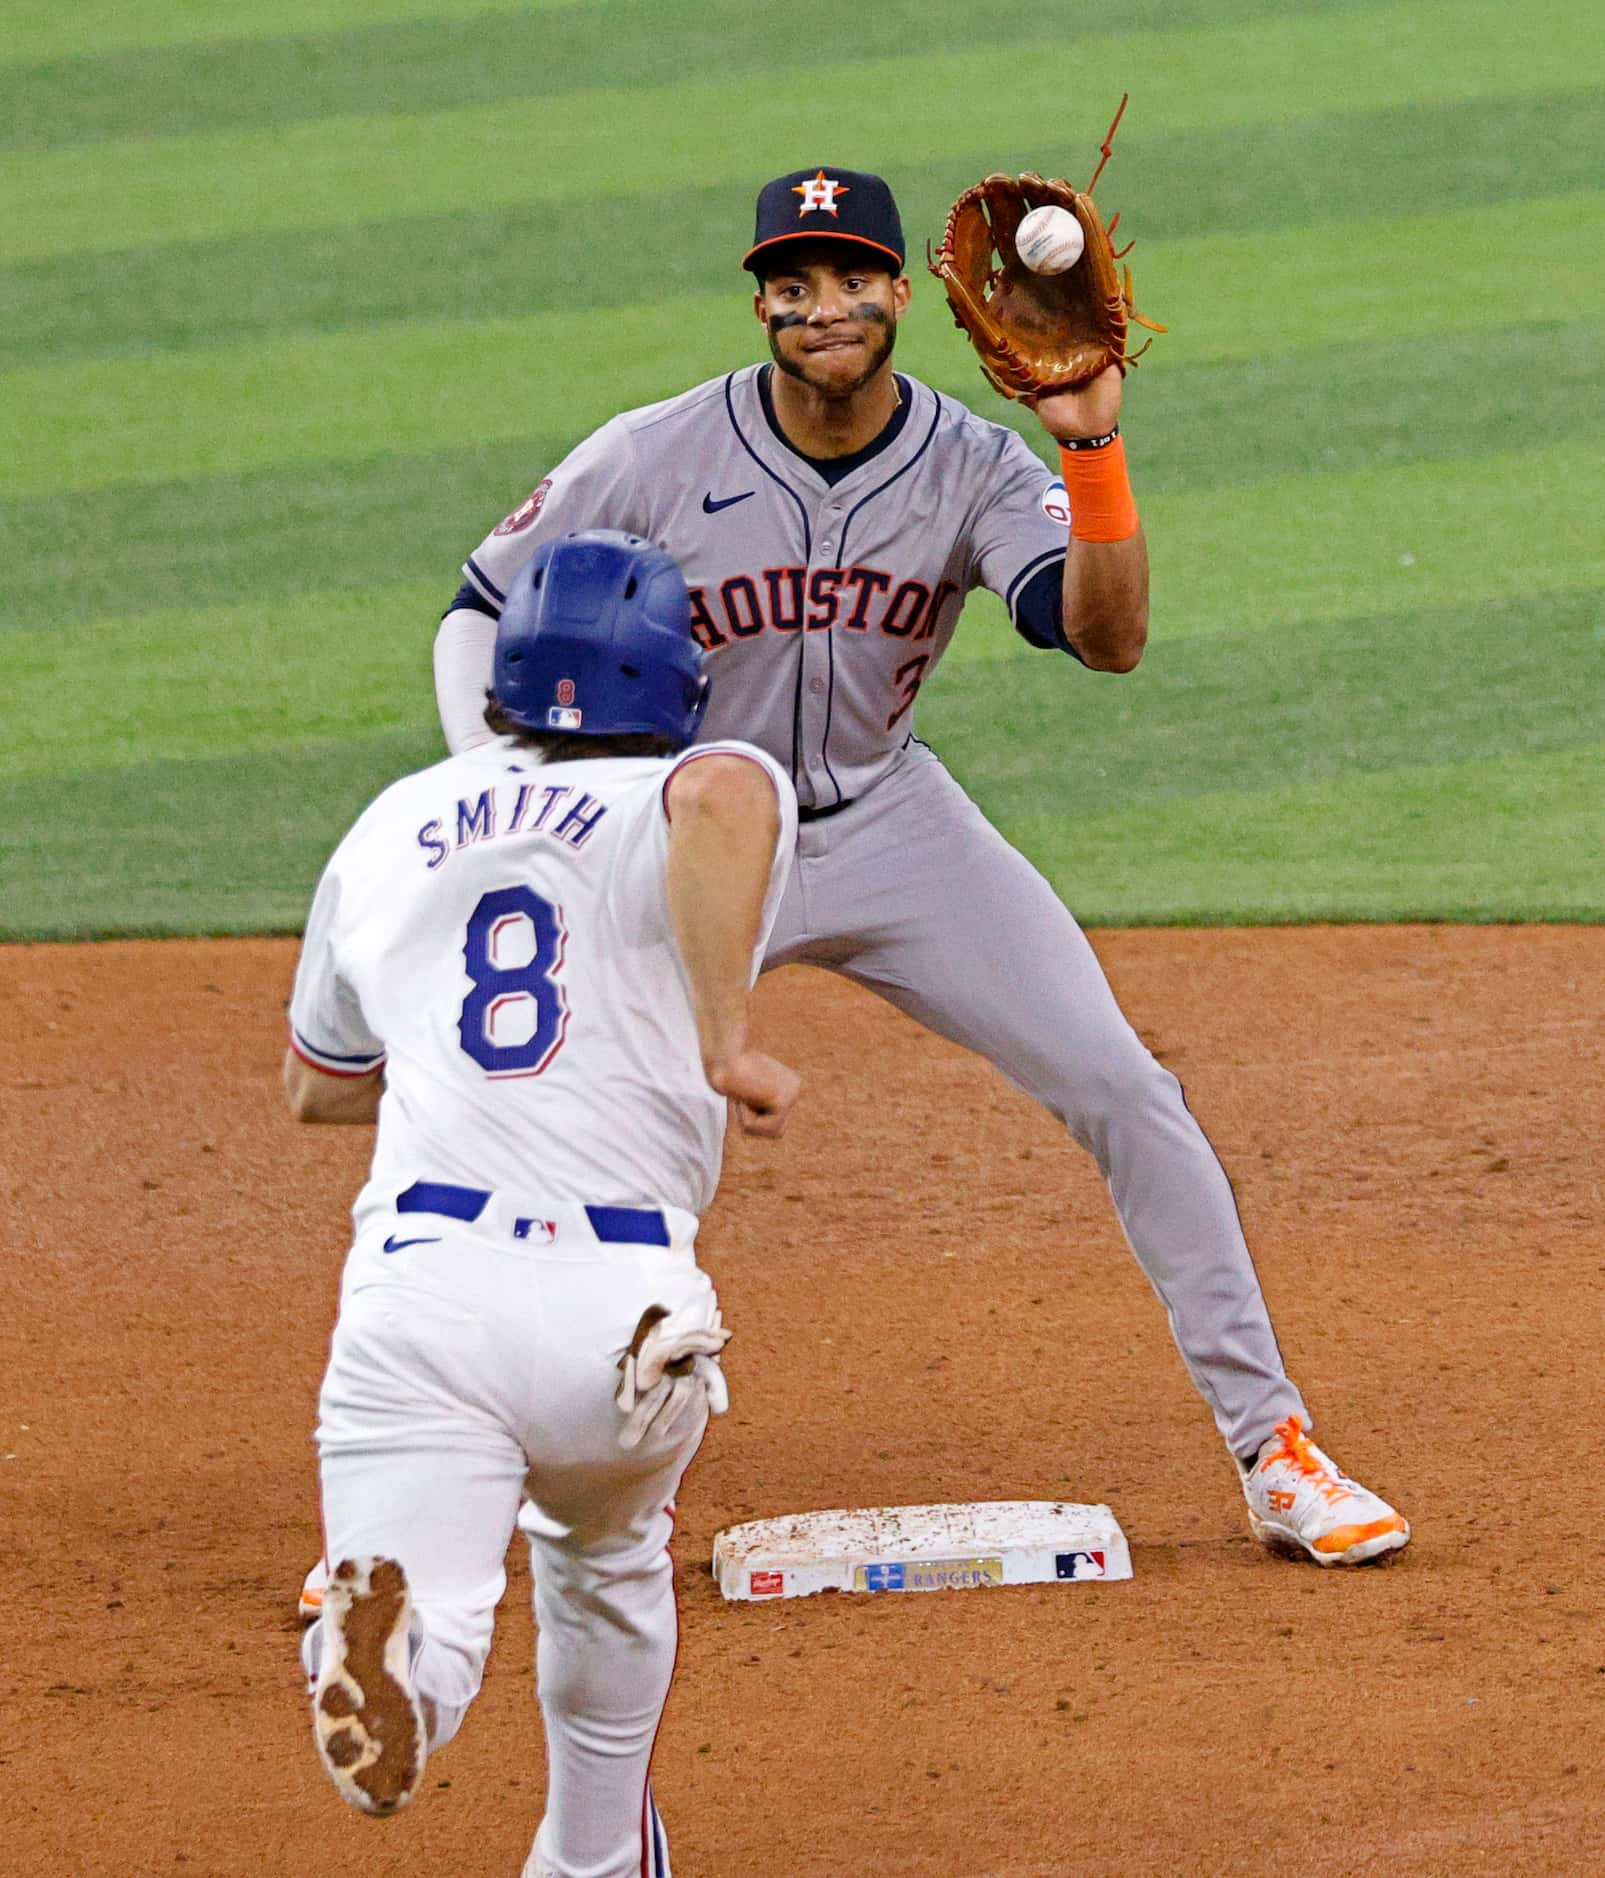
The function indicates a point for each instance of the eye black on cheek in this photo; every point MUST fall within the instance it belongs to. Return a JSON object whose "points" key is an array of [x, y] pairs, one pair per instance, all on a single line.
{"points": [[778, 322]]}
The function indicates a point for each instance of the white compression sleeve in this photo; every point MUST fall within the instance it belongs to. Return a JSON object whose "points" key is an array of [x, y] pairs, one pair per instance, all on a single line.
{"points": [[463, 649]]}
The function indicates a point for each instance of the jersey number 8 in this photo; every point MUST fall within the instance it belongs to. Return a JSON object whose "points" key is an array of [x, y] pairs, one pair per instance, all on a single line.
{"points": [[514, 1019]]}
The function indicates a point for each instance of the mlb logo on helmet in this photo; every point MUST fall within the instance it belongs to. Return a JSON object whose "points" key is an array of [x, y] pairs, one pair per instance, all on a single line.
{"points": [[607, 615], [562, 715]]}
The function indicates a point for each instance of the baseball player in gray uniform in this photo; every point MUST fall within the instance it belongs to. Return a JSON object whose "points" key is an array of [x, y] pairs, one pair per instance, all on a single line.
{"points": [[831, 514]]}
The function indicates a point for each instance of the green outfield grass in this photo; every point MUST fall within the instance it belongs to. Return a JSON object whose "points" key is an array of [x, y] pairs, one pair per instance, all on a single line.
{"points": [[298, 300]]}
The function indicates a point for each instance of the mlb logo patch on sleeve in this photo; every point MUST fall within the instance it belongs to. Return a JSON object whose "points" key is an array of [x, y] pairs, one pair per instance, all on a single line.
{"points": [[1056, 502]]}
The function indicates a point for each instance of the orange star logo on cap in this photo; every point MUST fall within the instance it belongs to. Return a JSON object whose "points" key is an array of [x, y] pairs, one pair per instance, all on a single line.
{"points": [[819, 194]]}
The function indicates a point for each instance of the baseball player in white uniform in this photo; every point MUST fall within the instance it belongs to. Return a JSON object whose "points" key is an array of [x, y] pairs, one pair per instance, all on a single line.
{"points": [[532, 963], [831, 515]]}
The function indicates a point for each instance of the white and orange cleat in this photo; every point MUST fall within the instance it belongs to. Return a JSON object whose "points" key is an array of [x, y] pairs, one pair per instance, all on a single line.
{"points": [[366, 1717], [1299, 1501], [313, 1587]]}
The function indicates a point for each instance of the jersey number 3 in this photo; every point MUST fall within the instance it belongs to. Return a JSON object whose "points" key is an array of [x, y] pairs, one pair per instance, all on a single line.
{"points": [[514, 1019]]}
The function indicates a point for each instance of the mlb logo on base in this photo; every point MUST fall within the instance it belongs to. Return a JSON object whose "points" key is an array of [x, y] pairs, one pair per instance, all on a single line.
{"points": [[1078, 1565]]}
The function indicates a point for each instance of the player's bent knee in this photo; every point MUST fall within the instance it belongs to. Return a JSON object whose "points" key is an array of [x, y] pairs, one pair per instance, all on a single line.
{"points": [[1133, 1085]]}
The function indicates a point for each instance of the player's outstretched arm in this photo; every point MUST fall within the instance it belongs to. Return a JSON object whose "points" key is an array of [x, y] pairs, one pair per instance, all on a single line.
{"points": [[1106, 568], [723, 825], [465, 645], [316, 1096]]}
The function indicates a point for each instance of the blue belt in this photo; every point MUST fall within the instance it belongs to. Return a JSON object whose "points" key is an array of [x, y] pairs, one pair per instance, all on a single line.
{"points": [[615, 1225]]}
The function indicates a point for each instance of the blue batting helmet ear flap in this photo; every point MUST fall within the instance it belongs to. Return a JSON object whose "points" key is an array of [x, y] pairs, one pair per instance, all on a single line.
{"points": [[595, 641]]}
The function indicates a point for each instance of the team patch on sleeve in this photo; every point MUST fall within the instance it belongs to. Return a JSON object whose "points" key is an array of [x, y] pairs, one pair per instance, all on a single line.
{"points": [[1055, 502], [529, 508]]}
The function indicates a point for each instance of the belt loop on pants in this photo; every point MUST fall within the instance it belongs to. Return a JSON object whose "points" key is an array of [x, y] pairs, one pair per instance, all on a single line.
{"points": [[613, 1225]]}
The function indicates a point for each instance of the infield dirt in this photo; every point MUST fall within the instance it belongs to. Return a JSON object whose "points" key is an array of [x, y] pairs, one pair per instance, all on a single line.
{"points": [[932, 1301]]}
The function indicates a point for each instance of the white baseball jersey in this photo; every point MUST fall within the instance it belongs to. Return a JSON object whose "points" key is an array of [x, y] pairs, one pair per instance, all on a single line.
{"points": [[496, 932], [822, 602]]}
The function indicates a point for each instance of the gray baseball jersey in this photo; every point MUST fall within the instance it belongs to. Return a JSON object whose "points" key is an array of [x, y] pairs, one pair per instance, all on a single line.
{"points": [[824, 596], [822, 608]]}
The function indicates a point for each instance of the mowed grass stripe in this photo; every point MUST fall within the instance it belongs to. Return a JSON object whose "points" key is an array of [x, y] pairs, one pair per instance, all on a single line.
{"points": [[234, 844], [291, 535], [1264, 708], [1515, 838], [92, 424], [1258, 707], [39, 30], [337, 171], [252, 677], [590, 250], [1494, 526], [372, 68], [1298, 552], [295, 530]]}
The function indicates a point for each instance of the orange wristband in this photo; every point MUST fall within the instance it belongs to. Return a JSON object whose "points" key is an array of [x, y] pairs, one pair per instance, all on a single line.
{"points": [[1102, 507]]}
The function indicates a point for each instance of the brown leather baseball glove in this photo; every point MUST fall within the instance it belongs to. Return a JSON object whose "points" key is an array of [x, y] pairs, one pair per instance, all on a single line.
{"points": [[1036, 333]]}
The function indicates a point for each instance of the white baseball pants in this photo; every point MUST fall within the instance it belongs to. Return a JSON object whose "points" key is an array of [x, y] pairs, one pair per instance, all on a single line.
{"points": [[464, 1362]]}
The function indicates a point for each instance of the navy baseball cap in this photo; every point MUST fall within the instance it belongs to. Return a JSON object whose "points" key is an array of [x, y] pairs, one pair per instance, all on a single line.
{"points": [[826, 204]]}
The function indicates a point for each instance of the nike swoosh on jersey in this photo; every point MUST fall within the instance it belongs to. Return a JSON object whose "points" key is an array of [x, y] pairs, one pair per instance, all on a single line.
{"points": [[710, 507], [397, 1245]]}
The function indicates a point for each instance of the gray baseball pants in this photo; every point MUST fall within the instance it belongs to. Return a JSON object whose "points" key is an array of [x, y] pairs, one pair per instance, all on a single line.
{"points": [[912, 892]]}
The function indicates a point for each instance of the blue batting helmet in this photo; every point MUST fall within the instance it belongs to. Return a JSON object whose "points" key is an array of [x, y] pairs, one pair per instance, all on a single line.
{"points": [[595, 639]]}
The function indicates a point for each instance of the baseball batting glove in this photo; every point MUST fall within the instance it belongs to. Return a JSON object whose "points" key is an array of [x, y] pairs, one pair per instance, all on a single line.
{"points": [[671, 1366], [1036, 333]]}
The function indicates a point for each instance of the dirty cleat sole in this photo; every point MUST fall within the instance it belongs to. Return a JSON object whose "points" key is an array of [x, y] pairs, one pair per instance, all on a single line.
{"points": [[366, 1719]]}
